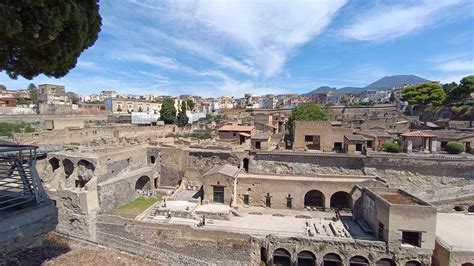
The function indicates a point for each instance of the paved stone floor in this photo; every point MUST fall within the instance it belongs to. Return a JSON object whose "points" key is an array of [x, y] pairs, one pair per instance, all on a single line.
{"points": [[259, 221], [456, 230]]}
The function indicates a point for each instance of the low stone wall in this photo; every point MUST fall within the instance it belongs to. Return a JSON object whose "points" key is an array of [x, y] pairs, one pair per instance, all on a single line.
{"points": [[26, 228], [177, 244], [448, 166]]}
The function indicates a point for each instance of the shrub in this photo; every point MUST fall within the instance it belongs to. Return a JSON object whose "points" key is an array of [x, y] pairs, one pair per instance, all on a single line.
{"points": [[454, 147], [392, 147]]}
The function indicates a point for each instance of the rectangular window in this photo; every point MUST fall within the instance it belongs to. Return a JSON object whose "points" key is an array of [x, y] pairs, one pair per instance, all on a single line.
{"points": [[308, 138], [411, 238], [381, 229], [258, 145], [268, 201], [369, 144], [246, 199], [338, 146], [218, 194]]}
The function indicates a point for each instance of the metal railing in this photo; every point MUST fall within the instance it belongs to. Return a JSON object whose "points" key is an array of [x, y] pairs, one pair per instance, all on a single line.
{"points": [[20, 183]]}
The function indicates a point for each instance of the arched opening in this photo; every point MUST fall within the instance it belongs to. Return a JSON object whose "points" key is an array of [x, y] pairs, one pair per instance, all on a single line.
{"points": [[281, 257], [306, 258], [332, 259], [467, 264], [314, 198], [157, 182], [263, 255], [358, 261], [54, 162], [152, 159], [341, 200], [385, 262], [413, 263], [85, 172], [245, 163], [470, 209], [68, 166], [143, 183]]}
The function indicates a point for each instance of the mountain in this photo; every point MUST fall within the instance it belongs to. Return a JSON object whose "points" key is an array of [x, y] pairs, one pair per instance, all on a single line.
{"points": [[384, 83], [389, 82], [319, 90]]}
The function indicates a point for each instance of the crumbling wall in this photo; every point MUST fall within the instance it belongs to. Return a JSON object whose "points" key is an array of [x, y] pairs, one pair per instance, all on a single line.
{"points": [[173, 163], [290, 163], [178, 244], [203, 161], [26, 228]]}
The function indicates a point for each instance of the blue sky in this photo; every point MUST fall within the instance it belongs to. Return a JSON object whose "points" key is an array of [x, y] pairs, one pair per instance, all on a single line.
{"points": [[216, 47]]}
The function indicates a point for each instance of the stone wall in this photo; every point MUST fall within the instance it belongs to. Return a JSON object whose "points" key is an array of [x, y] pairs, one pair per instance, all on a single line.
{"points": [[279, 189], [346, 249], [177, 244], [205, 160], [292, 163], [26, 228], [463, 168]]}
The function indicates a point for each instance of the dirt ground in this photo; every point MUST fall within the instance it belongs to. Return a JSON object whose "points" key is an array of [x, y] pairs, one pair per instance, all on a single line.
{"points": [[58, 250]]}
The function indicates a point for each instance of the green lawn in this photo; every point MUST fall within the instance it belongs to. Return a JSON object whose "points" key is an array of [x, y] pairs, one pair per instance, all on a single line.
{"points": [[139, 205], [7, 129]]}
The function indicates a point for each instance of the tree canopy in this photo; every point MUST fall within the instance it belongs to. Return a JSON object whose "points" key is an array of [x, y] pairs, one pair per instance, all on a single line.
{"points": [[424, 93], [45, 36], [307, 112], [182, 119], [33, 92], [168, 111], [462, 91], [190, 104]]}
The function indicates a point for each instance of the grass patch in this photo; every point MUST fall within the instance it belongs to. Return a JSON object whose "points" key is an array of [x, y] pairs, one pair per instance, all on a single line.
{"points": [[7, 129], [139, 205]]}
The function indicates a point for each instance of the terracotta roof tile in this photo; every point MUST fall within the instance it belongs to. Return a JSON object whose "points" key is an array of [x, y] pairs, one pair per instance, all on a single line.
{"points": [[419, 133]]}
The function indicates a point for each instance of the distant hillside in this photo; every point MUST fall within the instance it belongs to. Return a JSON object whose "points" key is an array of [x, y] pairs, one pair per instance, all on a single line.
{"points": [[384, 83], [388, 82], [319, 90]]}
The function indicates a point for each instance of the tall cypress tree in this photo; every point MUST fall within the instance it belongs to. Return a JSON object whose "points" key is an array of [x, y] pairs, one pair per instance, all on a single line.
{"points": [[182, 117]]}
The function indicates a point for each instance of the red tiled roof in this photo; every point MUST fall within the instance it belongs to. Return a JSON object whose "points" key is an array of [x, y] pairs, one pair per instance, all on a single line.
{"points": [[236, 128], [419, 133]]}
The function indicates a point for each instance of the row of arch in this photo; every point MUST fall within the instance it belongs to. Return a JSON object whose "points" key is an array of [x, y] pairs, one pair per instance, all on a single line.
{"points": [[281, 257], [68, 165], [338, 200]]}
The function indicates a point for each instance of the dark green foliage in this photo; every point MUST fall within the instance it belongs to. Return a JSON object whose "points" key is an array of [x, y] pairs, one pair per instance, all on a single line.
{"points": [[307, 112], [182, 119], [454, 147], [424, 93], [190, 104], [449, 86], [45, 36], [393, 147], [461, 92], [3, 88], [392, 97], [168, 112]]}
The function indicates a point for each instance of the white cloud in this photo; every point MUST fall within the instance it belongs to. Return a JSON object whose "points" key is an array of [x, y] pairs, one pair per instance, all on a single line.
{"points": [[385, 22], [463, 64], [261, 35]]}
